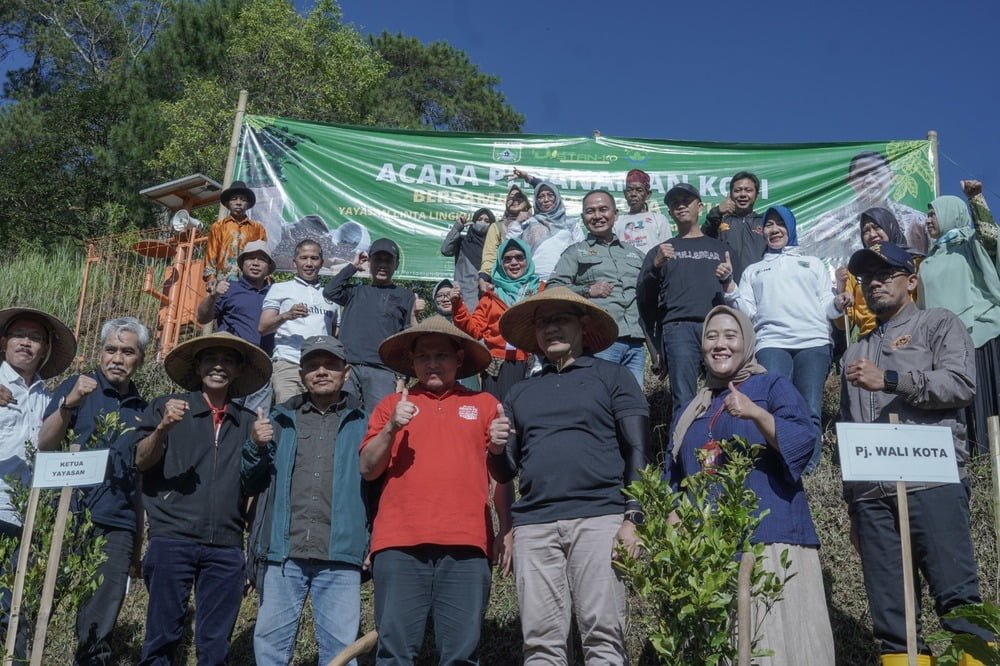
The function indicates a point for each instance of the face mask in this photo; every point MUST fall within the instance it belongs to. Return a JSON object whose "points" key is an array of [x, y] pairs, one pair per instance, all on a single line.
{"points": [[480, 227]]}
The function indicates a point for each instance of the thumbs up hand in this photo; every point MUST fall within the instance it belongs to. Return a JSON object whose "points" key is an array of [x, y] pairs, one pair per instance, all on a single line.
{"points": [[739, 405], [500, 431], [404, 412], [724, 271], [263, 431]]}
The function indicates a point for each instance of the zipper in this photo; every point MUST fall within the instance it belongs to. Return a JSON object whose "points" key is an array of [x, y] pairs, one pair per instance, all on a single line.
{"points": [[871, 395], [215, 473]]}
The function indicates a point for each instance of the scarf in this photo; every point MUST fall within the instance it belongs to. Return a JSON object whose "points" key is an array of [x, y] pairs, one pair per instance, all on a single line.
{"points": [[714, 383], [887, 222], [512, 290]]}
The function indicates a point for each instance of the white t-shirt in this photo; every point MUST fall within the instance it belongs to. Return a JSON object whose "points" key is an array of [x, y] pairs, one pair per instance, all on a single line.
{"points": [[19, 423], [322, 318], [644, 231]]}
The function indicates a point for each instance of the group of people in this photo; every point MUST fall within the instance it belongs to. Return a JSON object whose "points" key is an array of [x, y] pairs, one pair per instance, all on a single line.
{"points": [[349, 434]]}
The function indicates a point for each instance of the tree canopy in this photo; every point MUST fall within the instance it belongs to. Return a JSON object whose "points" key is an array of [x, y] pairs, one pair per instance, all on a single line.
{"points": [[117, 95]]}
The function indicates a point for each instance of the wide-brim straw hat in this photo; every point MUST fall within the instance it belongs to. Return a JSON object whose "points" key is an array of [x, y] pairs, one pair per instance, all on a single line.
{"points": [[395, 350], [517, 325], [256, 371], [62, 342]]}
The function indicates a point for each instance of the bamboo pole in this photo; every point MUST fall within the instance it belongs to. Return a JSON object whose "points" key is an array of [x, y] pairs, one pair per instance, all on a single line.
{"points": [[932, 136], [909, 592], [234, 144], [993, 427], [22, 568], [744, 639]]}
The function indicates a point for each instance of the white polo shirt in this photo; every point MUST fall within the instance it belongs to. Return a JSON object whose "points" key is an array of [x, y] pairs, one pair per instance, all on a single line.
{"points": [[19, 423], [322, 318]]}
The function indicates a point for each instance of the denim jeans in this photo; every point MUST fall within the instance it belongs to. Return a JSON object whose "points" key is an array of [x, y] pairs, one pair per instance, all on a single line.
{"points": [[450, 583], [171, 568], [96, 619], [682, 354], [336, 603], [807, 369], [630, 352]]}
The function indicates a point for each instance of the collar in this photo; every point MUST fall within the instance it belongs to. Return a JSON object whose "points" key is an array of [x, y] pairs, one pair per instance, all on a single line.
{"points": [[314, 285], [582, 361], [131, 394], [200, 407], [593, 240], [456, 389], [308, 406], [245, 220], [249, 287], [901, 318], [10, 376]]}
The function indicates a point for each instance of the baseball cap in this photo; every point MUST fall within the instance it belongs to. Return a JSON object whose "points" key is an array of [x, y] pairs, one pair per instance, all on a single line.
{"points": [[879, 255], [326, 343], [384, 245], [681, 189]]}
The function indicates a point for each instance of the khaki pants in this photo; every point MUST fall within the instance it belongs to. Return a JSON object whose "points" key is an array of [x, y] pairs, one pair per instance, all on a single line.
{"points": [[286, 380], [798, 627], [564, 568]]}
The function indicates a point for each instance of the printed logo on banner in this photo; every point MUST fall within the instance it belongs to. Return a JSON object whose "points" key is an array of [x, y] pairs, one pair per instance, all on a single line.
{"points": [[507, 152]]}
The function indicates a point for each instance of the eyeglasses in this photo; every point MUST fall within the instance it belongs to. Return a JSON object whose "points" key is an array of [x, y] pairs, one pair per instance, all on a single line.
{"points": [[513, 259], [557, 319], [881, 277]]}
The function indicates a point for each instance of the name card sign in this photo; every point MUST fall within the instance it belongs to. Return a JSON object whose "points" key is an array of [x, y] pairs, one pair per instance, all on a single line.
{"points": [[57, 469], [897, 452]]}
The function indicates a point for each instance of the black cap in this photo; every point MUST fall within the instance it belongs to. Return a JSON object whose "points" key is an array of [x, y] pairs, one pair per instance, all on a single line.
{"points": [[384, 245], [679, 189], [326, 343], [879, 256]]}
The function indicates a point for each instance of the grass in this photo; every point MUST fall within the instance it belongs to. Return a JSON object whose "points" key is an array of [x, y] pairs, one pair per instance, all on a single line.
{"points": [[52, 283]]}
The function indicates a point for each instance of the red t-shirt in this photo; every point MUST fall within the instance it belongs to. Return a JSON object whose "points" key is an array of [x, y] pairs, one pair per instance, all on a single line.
{"points": [[435, 489]]}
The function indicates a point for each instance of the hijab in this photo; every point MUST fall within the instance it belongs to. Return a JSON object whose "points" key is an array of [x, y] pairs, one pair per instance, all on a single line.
{"points": [[714, 383], [475, 237], [556, 217], [512, 290], [787, 219], [958, 273], [887, 222]]}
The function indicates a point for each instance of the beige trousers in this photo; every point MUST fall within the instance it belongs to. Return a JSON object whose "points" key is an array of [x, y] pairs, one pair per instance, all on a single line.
{"points": [[564, 568]]}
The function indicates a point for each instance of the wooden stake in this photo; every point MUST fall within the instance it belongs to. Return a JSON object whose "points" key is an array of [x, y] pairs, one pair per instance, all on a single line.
{"points": [[909, 593], [51, 572], [932, 136], [744, 637], [993, 427], [234, 144], [22, 569]]}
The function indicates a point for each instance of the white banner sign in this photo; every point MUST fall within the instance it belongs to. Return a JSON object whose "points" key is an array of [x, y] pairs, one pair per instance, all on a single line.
{"points": [[76, 468], [896, 452]]}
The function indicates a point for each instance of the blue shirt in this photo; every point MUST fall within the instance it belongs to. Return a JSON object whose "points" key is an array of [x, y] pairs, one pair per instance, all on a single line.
{"points": [[111, 504], [776, 479], [238, 312]]}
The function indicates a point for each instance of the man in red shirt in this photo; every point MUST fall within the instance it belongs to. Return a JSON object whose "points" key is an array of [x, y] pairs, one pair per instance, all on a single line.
{"points": [[433, 532]]}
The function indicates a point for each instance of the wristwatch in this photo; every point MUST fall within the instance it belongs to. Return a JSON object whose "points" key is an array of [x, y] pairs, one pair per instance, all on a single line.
{"points": [[635, 516], [63, 407], [891, 380]]}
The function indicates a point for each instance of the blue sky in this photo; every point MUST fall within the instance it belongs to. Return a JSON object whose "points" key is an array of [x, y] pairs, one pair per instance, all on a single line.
{"points": [[772, 71]]}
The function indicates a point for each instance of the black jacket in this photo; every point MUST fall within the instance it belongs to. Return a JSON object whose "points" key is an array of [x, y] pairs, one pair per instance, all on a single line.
{"points": [[194, 493]]}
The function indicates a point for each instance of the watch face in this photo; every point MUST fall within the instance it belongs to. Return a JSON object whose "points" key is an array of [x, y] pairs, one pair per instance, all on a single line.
{"points": [[636, 517]]}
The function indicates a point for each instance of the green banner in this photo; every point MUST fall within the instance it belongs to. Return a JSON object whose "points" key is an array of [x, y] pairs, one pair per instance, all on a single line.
{"points": [[346, 186]]}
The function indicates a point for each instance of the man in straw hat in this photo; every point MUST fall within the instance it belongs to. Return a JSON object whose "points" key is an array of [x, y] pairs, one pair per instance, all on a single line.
{"points": [[432, 534], [576, 433], [188, 448], [228, 235], [76, 406], [35, 346]]}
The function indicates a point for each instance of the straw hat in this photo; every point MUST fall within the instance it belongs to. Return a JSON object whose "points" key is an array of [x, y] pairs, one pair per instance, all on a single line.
{"points": [[180, 364], [517, 325], [395, 351], [62, 342]]}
